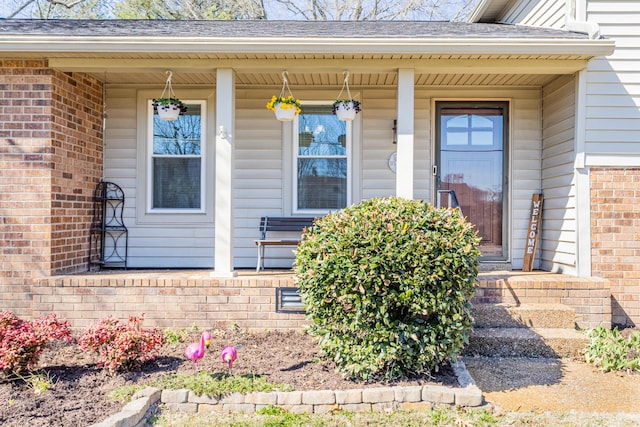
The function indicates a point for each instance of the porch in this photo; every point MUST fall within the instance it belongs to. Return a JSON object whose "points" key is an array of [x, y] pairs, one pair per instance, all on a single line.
{"points": [[184, 298]]}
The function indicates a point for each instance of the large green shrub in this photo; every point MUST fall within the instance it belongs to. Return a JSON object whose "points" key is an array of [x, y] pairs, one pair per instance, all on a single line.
{"points": [[387, 284]]}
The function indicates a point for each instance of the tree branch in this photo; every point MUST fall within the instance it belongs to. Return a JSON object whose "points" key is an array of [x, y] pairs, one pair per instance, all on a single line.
{"points": [[64, 3]]}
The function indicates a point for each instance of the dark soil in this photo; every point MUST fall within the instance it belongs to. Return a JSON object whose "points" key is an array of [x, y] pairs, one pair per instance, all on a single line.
{"points": [[79, 393]]}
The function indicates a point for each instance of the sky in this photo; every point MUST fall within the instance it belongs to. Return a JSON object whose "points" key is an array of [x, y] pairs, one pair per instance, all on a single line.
{"points": [[7, 6]]}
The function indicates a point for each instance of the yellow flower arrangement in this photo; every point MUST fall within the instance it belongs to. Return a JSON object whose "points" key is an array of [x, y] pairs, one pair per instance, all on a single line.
{"points": [[286, 102]]}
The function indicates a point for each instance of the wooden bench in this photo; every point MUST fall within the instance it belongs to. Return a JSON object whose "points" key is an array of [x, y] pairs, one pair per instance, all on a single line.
{"points": [[273, 224]]}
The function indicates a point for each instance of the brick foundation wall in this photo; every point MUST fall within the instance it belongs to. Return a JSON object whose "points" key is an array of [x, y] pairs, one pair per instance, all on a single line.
{"points": [[590, 298], [50, 152], [168, 300], [177, 299], [615, 238]]}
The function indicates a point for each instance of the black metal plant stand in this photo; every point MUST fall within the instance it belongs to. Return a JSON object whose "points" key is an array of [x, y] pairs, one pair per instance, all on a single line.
{"points": [[108, 236]]}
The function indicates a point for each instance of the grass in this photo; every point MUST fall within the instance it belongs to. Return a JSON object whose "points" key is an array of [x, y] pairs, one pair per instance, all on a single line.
{"points": [[437, 416], [271, 416], [38, 383], [123, 394], [175, 337], [215, 384], [201, 383]]}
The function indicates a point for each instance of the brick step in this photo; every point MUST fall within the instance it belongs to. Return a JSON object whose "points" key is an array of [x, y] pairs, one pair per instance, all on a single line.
{"points": [[526, 342], [523, 316]]}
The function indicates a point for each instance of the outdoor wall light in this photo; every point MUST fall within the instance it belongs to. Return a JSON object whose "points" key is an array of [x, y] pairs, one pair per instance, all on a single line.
{"points": [[395, 131], [222, 133]]}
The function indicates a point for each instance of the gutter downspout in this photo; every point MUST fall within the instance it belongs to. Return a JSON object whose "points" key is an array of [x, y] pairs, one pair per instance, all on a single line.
{"points": [[572, 24], [581, 172]]}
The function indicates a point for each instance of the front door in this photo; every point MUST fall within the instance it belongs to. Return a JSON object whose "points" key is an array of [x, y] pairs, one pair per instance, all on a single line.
{"points": [[470, 164]]}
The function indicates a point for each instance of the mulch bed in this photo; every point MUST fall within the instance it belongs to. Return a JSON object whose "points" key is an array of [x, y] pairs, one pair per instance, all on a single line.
{"points": [[79, 394]]}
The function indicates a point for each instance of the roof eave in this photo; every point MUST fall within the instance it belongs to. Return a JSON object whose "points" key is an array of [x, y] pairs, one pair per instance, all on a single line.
{"points": [[276, 45]]}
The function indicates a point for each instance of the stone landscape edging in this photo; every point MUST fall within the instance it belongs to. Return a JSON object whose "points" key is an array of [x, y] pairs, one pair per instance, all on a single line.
{"points": [[374, 399]]}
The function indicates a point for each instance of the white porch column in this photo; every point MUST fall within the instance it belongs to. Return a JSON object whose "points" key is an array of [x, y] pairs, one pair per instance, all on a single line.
{"points": [[404, 126], [225, 113], [583, 185]]}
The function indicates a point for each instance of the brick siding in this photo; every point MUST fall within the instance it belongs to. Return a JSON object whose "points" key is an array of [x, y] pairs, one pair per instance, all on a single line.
{"points": [[51, 159], [77, 167], [615, 238], [180, 299], [168, 299], [589, 297]]}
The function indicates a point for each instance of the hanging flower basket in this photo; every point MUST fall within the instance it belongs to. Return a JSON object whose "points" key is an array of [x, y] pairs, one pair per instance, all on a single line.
{"points": [[285, 107], [170, 107], [346, 109]]}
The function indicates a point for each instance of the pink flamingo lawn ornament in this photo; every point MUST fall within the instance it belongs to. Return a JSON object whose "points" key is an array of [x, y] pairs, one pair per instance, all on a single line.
{"points": [[196, 350], [229, 355]]}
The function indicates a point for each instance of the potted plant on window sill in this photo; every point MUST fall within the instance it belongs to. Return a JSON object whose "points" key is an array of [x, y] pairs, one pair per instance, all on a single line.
{"points": [[285, 107], [305, 139], [169, 108], [346, 109]]}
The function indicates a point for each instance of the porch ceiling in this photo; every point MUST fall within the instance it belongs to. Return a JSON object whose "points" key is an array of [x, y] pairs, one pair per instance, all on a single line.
{"points": [[325, 70], [330, 79]]}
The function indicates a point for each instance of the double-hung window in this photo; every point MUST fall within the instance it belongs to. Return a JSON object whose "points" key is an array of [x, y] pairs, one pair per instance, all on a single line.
{"points": [[322, 163], [176, 161]]}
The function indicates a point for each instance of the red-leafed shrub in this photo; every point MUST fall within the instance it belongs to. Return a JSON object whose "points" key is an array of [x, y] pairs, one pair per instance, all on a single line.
{"points": [[22, 341], [121, 346]]}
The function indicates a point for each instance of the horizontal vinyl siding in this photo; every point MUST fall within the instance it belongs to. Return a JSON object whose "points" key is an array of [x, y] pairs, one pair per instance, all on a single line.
{"points": [[613, 87], [378, 113], [424, 185], [547, 13], [258, 176], [523, 152], [525, 167], [179, 244], [558, 236], [261, 186]]}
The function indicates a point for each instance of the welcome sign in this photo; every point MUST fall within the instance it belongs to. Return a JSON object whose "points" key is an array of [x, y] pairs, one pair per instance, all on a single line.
{"points": [[532, 232]]}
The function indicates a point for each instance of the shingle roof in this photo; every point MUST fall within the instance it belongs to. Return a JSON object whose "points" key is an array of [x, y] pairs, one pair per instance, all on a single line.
{"points": [[269, 28]]}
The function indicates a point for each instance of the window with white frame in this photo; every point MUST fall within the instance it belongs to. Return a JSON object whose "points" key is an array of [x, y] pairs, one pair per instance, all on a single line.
{"points": [[176, 160], [322, 151]]}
